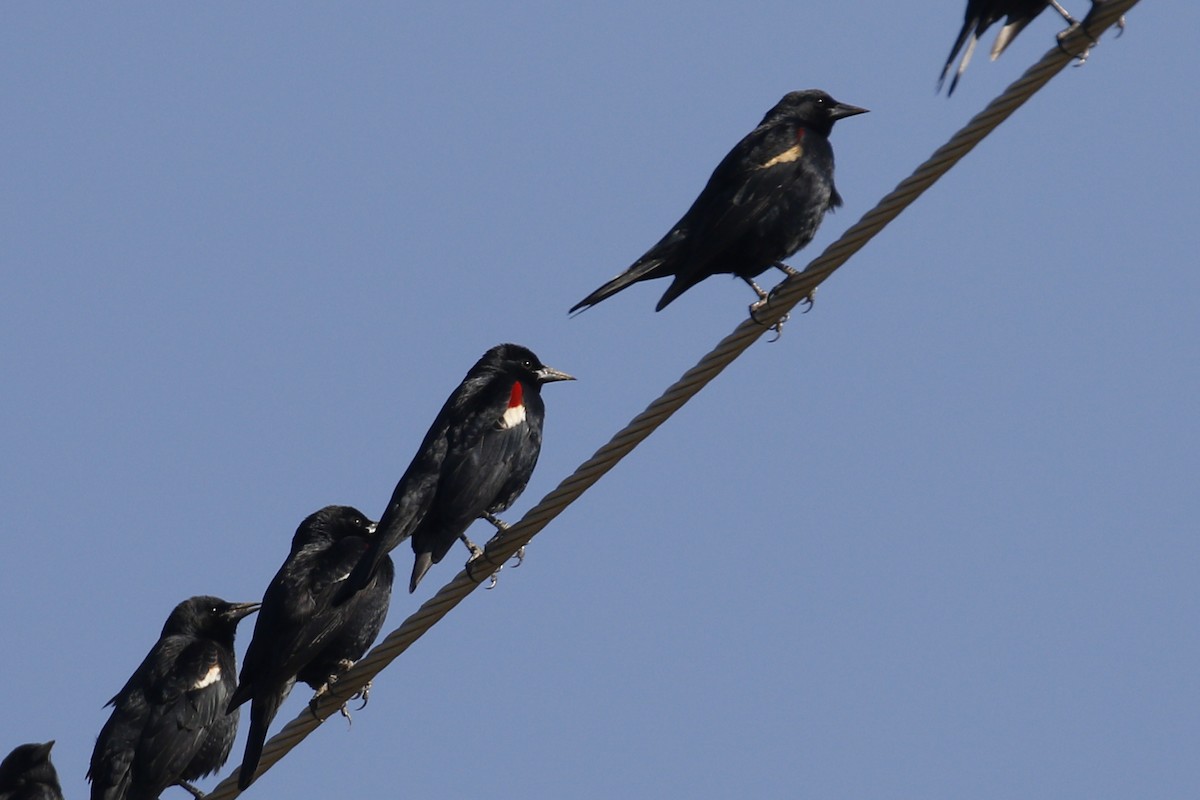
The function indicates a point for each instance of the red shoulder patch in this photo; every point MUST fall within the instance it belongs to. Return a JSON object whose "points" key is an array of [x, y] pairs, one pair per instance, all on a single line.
{"points": [[517, 397]]}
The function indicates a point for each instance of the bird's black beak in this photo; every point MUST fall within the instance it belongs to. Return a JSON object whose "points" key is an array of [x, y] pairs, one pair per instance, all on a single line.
{"points": [[550, 375], [236, 611], [843, 110]]}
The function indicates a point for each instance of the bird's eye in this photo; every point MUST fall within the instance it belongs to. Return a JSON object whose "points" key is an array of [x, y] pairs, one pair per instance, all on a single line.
{"points": [[527, 364]]}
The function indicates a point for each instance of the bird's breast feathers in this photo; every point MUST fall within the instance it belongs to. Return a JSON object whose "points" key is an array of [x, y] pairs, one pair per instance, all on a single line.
{"points": [[514, 412], [208, 678]]}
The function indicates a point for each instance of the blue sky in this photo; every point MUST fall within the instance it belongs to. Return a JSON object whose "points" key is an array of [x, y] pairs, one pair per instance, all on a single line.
{"points": [[939, 541]]}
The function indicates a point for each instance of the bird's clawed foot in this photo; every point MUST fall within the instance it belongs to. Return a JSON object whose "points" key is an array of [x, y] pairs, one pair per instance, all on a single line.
{"points": [[478, 555], [363, 693], [192, 790], [792, 273], [763, 297], [519, 556], [1081, 58], [777, 327]]}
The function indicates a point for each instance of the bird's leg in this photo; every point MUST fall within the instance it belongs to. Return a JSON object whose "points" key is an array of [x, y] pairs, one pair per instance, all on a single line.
{"points": [[792, 272], [501, 527], [500, 524], [476, 550], [196, 793], [762, 296], [1065, 14]]}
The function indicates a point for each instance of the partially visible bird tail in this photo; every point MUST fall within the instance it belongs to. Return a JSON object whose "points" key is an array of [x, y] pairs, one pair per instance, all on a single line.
{"points": [[360, 576], [1007, 34], [962, 65], [644, 269], [420, 567], [262, 711], [240, 695], [958, 44]]}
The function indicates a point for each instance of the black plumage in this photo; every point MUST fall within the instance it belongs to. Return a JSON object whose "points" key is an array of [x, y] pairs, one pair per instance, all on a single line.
{"points": [[474, 462], [763, 202], [28, 774], [307, 628], [169, 723], [981, 15]]}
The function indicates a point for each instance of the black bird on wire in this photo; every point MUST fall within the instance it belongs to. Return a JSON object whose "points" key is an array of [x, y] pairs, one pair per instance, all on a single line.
{"points": [[168, 724], [980, 16], [474, 462], [763, 202], [28, 774], [306, 628]]}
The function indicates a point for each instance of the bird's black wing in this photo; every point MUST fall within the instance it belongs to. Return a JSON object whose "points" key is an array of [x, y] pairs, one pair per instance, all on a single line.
{"points": [[409, 504], [742, 195], [484, 472], [309, 615], [186, 694], [110, 769]]}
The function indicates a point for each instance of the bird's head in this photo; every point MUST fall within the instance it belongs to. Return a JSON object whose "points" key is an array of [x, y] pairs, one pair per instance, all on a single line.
{"points": [[521, 363], [331, 524], [24, 761], [812, 108], [207, 615]]}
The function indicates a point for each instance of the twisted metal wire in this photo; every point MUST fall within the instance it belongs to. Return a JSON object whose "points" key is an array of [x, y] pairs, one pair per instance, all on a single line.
{"points": [[785, 297]]}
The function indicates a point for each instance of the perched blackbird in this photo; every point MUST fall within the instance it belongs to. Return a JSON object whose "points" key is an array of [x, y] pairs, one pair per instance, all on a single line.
{"points": [[305, 628], [474, 461], [168, 723], [763, 202], [27, 774], [980, 16]]}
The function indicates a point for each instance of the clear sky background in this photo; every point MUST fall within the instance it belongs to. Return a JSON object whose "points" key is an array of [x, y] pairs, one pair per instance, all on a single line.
{"points": [[939, 541]]}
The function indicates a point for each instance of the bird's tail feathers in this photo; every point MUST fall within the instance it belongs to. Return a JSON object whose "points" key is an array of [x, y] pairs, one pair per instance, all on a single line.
{"points": [[1006, 35], [420, 567], [240, 695], [962, 65], [642, 270], [262, 712], [958, 44], [361, 575]]}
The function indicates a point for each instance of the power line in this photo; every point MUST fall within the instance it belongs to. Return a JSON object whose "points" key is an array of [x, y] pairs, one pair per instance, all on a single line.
{"points": [[785, 297]]}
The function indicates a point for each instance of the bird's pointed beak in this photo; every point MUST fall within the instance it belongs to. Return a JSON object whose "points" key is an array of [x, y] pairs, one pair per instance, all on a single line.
{"points": [[372, 527], [550, 375], [43, 750], [843, 110], [237, 611]]}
